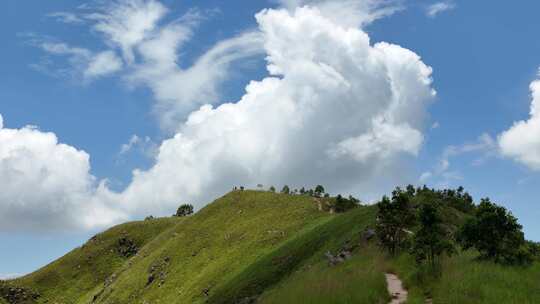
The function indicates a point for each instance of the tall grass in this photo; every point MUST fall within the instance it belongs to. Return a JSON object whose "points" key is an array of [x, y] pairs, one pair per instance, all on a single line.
{"points": [[465, 279], [358, 280]]}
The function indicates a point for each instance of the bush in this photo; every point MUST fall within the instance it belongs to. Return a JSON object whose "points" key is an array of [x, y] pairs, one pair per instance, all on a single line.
{"points": [[343, 205], [184, 210], [394, 217], [431, 240], [319, 191], [496, 234]]}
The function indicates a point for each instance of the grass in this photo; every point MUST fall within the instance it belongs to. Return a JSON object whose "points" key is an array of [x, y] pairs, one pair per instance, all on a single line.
{"points": [[251, 244], [358, 280], [465, 279], [72, 276], [199, 256]]}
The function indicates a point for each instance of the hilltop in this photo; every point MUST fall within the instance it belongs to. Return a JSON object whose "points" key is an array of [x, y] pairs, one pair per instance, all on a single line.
{"points": [[263, 247]]}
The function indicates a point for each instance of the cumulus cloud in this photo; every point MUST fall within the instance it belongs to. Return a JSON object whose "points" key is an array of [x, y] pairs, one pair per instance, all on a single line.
{"points": [[46, 184], [345, 116], [522, 141], [437, 8], [340, 116], [349, 12]]}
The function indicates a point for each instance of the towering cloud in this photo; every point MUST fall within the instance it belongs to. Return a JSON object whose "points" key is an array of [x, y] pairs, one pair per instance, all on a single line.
{"points": [[522, 141], [335, 109]]}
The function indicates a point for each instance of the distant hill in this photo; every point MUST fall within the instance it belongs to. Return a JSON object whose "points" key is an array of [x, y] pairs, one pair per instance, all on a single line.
{"points": [[260, 247]]}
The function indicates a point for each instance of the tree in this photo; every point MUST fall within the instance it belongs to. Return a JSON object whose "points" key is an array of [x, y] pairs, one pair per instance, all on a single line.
{"points": [[272, 189], [393, 218], [343, 204], [431, 240], [496, 234], [285, 190], [184, 210], [319, 190], [302, 191]]}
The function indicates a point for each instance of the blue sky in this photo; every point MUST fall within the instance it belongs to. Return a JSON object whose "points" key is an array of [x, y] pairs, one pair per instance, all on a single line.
{"points": [[484, 57]]}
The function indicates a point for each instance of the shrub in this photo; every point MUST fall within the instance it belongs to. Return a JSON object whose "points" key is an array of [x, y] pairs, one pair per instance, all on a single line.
{"points": [[496, 234], [394, 217], [184, 210], [343, 205], [432, 239], [319, 190]]}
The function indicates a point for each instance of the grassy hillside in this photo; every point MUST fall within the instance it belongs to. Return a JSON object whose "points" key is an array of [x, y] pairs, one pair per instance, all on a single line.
{"points": [[357, 280], [251, 245], [200, 256], [72, 276]]}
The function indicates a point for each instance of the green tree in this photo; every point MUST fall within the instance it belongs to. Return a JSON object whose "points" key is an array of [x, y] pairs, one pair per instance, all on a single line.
{"points": [[319, 191], [432, 239], [343, 205], [285, 190], [394, 217], [496, 234], [184, 210], [272, 189]]}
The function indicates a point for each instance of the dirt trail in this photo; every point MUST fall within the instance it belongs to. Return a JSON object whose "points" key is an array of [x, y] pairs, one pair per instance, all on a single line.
{"points": [[395, 289]]}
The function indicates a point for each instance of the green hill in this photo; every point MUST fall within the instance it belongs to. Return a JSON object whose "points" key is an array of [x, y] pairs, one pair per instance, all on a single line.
{"points": [[69, 278], [254, 246]]}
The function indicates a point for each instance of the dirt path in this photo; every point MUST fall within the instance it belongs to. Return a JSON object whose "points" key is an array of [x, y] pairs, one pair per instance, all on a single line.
{"points": [[395, 289]]}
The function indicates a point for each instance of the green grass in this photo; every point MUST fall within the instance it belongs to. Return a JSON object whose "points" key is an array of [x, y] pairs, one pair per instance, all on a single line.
{"points": [[213, 247], [358, 280], [465, 279], [72, 276], [251, 244]]}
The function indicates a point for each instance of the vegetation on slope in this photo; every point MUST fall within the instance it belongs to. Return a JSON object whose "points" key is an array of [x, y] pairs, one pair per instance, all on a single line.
{"points": [[281, 248], [209, 250], [357, 280], [69, 278]]}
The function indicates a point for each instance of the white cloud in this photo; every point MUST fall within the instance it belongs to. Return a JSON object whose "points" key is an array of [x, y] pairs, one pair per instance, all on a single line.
{"points": [[145, 145], [436, 8], [522, 141], [66, 17], [46, 184], [103, 63], [352, 13], [341, 116], [126, 23], [199, 83], [485, 145], [151, 48], [345, 116], [83, 62]]}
